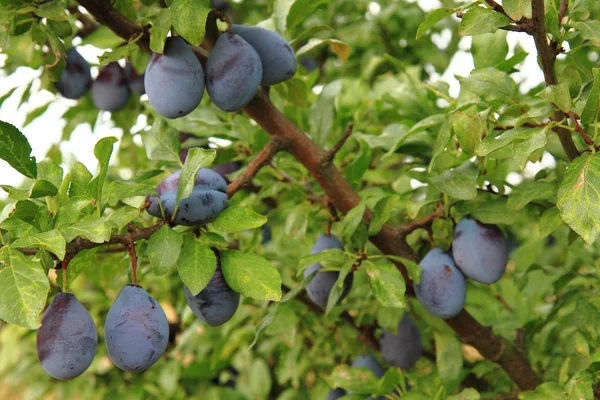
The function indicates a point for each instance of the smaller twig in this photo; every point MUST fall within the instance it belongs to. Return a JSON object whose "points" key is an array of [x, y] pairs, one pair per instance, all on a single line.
{"points": [[223, 17], [328, 157], [145, 205], [65, 263], [588, 140], [496, 7], [421, 223], [564, 6], [263, 159], [88, 25], [131, 249], [503, 302]]}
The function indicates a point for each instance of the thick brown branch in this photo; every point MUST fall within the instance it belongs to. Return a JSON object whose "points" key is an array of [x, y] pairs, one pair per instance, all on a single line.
{"points": [[264, 158], [331, 153], [388, 241], [547, 57]]}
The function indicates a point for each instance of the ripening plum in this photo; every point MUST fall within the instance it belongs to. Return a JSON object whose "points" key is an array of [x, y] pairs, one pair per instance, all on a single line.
{"points": [[134, 80], [136, 331], [369, 362], [220, 5], [217, 302], [110, 91], [319, 288], [76, 78], [207, 200], [479, 250], [335, 394], [67, 339], [402, 348], [276, 55], [227, 168], [233, 72], [174, 81], [442, 289]]}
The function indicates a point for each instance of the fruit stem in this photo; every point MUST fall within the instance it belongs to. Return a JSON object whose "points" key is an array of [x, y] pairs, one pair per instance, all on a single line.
{"points": [[131, 249], [64, 274], [224, 18]]}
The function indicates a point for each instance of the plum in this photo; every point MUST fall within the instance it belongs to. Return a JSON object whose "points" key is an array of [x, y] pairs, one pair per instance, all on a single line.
{"points": [[217, 302], [220, 5], [227, 168], [442, 289], [335, 394], [369, 362], [207, 200], [403, 348], [276, 55], [479, 250], [76, 77], [67, 339], [174, 80], [134, 80], [319, 288], [110, 91], [233, 72], [136, 331]]}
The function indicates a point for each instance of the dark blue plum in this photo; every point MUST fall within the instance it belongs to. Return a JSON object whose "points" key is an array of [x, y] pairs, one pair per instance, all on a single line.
{"points": [[76, 78], [233, 72], [67, 339], [207, 200], [227, 168], [134, 80], [276, 55], [369, 362], [309, 63], [442, 289], [402, 348], [220, 5], [267, 234], [110, 91], [479, 250], [335, 394], [217, 302], [136, 331], [319, 288], [174, 81]]}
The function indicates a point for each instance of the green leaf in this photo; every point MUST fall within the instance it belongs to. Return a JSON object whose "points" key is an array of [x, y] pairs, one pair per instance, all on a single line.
{"points": [[83, 260], [91, 228], [251, 275], [489, 49], [592, 105], [120, 190], [163, 249], [589, 30], [559, 95], [381, 214], [579, 196], [122, 216], [189, 18], [448, 355], [24, 288], [357, 380], [102, 150], [162, 142], [469, 393], [17, 227], [550, 221], [545, 391], [517, 8], [50, 171], [15, 150], [387, 284], [54, 10], [355, 171], [493, 143], [69, 213], [197, 264], [433, 18], [390, 380], [52, 241], [490, 84], [159, 30], [300, 10], [479, 20], [322, 111], [238, 218], [414, 270], [197, 158], [330, 258], [469, 128], [341, 49], [460, 182], [80, 180], [338, 288], [351, 221], [527, 192], [42, 188]]}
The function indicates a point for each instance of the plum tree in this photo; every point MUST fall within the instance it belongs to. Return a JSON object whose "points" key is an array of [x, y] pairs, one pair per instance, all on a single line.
{"points": [[442, 289], [207, 200], [76, 78], [479, 250], [233, 72], [110, 91], [319, 288], [136, 331], [217, 302], [174, 81], [67, 339], [403, 348], [134, 80], [276, 55]]}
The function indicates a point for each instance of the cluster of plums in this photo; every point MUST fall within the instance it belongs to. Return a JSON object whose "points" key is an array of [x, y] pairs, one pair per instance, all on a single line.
{"points": [[136, 334], [241, 60], [479, 252], [110, 90]]}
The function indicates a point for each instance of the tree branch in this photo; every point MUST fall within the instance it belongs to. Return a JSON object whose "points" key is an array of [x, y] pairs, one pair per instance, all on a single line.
{"points": [[329, 156], [388, 240], [547, 57], [421, 223], [264, 158], [588, 140]]}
